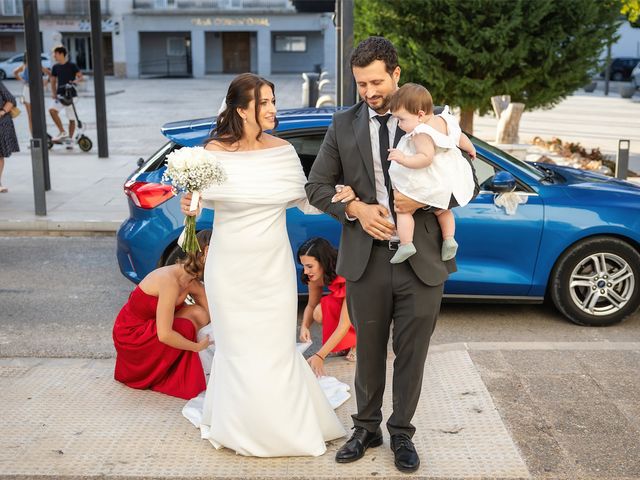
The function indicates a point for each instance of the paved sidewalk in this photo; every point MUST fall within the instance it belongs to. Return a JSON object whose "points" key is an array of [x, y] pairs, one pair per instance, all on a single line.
{"points": [[528, 410], [86, 194], [69, 419]]}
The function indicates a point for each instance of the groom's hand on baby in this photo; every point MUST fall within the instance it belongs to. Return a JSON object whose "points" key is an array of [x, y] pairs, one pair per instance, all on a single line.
{"points": [[185, 204]]}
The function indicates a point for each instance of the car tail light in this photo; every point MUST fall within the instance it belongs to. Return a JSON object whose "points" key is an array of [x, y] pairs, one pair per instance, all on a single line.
{"points": [[148, 195]]}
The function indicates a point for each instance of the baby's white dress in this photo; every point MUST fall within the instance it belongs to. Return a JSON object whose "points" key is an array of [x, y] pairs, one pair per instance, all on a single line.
{"points": [[449, 173]]}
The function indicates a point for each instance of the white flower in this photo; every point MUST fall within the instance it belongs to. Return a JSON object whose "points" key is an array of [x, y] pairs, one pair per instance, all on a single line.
{"points": [[193, 169]]}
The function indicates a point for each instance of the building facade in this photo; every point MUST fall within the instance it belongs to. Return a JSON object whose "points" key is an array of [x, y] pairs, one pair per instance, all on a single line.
{"points": [[145, 38]]}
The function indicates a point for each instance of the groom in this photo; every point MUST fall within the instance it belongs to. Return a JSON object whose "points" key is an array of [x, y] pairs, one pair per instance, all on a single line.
{"points": [[379, 294]]}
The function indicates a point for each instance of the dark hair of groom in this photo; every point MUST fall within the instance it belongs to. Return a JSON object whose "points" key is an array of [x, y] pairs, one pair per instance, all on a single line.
{"points": [[372, 49]]}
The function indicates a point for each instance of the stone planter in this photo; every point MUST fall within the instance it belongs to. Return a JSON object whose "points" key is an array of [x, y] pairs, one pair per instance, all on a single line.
{"points": [[627, 91], [590, 87]]}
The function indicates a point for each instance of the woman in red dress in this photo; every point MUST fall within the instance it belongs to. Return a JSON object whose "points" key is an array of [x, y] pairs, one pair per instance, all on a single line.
{"points": [[155, 333], [318, 259]]}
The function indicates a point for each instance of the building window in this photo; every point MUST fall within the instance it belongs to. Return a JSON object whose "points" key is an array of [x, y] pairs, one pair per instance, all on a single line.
{"points": [[176, 47], [11, 7], [164, 3], [290, 43]]}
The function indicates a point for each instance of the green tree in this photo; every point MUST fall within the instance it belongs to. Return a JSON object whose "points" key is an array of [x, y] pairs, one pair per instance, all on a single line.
{"points": [[466, 51]]}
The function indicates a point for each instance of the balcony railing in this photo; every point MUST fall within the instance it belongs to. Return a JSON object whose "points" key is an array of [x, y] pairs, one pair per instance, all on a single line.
{"points": [[217, 5], [69, 7]]}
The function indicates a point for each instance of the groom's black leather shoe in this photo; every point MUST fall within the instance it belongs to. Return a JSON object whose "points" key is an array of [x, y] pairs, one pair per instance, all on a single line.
{"points": [[358, 443], [406, 457]]}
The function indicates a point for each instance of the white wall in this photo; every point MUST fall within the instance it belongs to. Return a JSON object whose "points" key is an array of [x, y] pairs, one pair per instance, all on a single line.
{"points": [[629, 43]]}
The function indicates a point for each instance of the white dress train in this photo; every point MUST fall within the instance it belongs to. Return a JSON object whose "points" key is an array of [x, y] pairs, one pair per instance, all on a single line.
{"points": [[262, 398]]}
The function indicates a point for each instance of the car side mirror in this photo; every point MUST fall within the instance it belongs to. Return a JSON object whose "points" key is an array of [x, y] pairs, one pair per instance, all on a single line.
{"points": [[502, 182]]}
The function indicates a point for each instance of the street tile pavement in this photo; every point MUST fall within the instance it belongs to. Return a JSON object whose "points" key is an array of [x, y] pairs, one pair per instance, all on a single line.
{"points": [[66, 418]]}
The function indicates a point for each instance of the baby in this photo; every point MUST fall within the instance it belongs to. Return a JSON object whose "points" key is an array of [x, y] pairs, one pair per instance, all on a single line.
{"points": [[428, 166]]}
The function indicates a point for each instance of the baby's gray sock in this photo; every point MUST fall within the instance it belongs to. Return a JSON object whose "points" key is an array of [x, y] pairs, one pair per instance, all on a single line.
{"points": [[449, 248]]}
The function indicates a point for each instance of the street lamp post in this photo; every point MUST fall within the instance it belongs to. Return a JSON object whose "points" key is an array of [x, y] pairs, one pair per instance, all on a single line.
{"points": [[98, 78], [345, 89]]}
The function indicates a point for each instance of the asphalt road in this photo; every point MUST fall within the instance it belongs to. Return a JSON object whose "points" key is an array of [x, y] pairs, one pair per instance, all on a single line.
{"points": [[59, 296]]}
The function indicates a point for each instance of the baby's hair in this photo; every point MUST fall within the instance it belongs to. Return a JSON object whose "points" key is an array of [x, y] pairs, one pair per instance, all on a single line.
{"points": [[413, 98]]}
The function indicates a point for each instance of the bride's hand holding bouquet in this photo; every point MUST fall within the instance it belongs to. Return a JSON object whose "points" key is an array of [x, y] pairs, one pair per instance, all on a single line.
{"points": [[192, 170]]}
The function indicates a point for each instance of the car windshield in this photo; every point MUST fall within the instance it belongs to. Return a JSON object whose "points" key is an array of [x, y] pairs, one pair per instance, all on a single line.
{"points": [[521, 165]]}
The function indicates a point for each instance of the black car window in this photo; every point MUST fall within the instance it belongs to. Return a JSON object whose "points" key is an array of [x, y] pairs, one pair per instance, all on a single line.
{"points": [[484, 171], [307, 147]]}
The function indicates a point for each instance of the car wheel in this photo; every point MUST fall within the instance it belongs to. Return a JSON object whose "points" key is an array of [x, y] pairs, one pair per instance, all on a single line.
{"points": [[617, 77], [597, 282], [3, 75], [175, 253]]}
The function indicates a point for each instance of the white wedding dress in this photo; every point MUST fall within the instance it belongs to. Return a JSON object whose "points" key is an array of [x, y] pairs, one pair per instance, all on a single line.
{"points": [[262, 398]]}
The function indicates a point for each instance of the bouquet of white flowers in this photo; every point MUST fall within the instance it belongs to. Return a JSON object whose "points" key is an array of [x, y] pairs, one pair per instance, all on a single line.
{"points": [[192, 169]]}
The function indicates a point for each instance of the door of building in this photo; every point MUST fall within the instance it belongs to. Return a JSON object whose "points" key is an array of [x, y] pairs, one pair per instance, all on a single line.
{"points": [[79, 50], [236, 52], [107, 53]]}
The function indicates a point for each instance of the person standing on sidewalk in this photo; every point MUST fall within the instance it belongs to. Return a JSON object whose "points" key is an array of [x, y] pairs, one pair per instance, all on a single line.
{"points": [[355, 152], [8, 138], [63, 73], [22, 74]]}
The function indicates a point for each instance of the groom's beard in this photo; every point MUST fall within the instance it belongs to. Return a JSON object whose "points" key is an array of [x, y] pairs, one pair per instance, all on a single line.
{"points": [[383, 107]]}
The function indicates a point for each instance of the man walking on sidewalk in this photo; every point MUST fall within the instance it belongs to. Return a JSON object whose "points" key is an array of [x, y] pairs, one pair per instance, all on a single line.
{"points": [[63, 73], [379, 294]]}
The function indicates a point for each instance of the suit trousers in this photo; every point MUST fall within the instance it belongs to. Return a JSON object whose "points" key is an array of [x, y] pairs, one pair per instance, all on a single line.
{"points": [[390, 295]]}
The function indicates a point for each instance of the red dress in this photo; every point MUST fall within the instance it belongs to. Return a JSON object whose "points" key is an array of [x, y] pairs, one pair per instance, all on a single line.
{"points": [[331, 306], [144, 362]]}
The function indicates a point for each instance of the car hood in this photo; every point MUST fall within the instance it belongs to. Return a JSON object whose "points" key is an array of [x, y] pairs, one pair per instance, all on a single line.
{"points": [[575, 178]]}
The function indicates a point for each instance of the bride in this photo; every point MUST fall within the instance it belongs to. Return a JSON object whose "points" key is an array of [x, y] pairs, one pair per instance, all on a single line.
{"points": [[262, 398]]}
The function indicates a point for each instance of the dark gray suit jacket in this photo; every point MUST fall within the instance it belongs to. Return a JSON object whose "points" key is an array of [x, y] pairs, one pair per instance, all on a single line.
{"points": [[345, 158]]}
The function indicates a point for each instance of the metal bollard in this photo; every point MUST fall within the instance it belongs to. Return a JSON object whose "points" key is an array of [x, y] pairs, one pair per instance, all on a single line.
{"points": [[310, 89], [37, 167], [622, 159]]}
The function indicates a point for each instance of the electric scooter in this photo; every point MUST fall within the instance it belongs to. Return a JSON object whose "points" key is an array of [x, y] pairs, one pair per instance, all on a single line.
{"points": [[84, 142]]}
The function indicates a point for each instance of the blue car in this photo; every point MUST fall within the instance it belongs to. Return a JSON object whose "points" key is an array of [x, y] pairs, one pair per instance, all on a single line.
{"points": [[576, 240]]}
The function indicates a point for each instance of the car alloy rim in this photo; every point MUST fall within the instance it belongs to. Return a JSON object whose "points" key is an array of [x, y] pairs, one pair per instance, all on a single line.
{"points": [[602, 284]]}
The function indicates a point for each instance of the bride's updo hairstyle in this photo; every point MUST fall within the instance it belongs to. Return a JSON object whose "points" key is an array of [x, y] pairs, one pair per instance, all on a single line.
{"points": [[230, 125], [193, 263]]}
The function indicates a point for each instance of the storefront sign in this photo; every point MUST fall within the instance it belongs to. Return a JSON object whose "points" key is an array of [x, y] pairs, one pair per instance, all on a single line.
{"points": [[12, 26], [230, 22], [75, 25]]}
